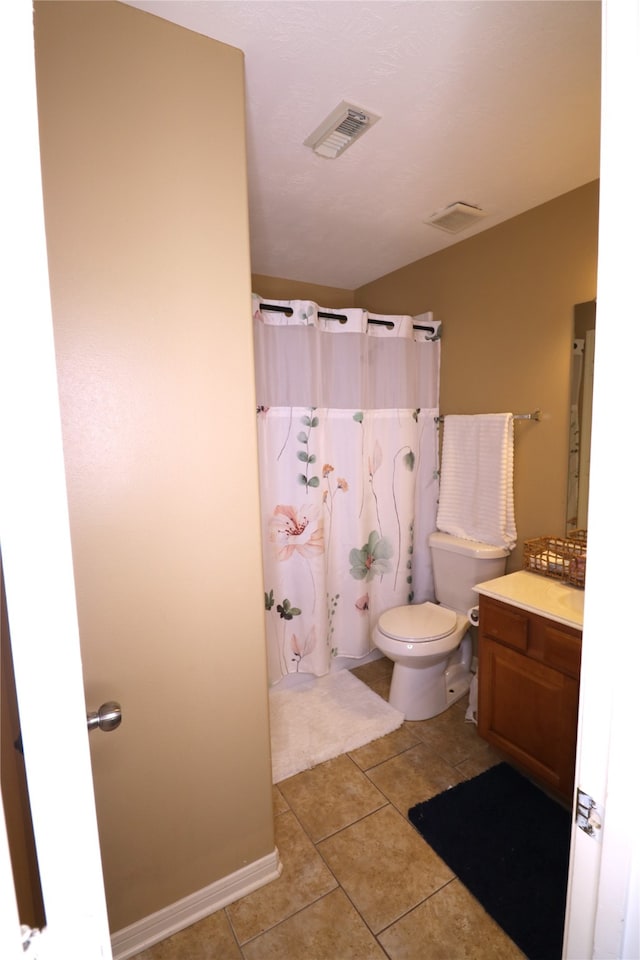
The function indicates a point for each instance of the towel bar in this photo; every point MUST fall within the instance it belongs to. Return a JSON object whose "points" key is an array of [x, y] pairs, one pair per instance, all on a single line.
{"points": [[517, 416]]}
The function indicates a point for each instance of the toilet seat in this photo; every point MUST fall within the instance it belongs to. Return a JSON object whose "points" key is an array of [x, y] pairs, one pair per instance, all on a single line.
{"points": [[419, 622]]}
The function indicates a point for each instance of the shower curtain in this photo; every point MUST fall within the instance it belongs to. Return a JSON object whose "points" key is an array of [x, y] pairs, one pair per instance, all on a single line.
{"points": [[348, 459]]}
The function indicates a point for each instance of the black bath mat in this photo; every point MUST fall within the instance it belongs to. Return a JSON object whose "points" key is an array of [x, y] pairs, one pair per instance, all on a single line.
{"points": [[508, 843]]}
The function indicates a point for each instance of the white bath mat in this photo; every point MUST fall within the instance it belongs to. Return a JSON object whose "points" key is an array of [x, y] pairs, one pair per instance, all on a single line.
{"points": [[322, 717]]}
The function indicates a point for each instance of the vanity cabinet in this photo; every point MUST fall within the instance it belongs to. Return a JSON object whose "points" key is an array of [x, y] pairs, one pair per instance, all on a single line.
{"points": [[528, 682]]}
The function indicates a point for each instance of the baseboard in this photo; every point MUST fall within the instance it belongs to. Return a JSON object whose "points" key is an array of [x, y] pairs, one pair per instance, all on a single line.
{"points": [[158, 926], [348, 663]]}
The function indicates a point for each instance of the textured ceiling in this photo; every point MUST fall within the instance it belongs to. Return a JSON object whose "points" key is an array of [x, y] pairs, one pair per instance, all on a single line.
{"points": [[494, 103]]}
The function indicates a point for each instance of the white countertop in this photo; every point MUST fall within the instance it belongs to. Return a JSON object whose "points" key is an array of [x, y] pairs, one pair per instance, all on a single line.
{"points": [[542, 595]]}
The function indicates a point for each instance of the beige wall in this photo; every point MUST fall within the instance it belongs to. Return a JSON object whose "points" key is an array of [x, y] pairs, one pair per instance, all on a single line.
{"points": [[275, 288], [505, 298], [147, 233]]}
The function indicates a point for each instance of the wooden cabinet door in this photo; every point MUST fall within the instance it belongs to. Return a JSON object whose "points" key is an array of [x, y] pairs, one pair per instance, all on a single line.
{"points": [[529, 712]]}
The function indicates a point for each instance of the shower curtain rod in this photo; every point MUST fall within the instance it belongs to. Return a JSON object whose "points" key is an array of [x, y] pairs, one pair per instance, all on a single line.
{"points": [[517, 416], [340, 317]]}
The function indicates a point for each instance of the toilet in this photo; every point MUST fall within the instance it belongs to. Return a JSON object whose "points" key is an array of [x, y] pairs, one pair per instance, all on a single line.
{"points": [[430, 643]]}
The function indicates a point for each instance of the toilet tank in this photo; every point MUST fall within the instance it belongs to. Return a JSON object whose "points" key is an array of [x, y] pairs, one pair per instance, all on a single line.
{"points": [[458, 565]]}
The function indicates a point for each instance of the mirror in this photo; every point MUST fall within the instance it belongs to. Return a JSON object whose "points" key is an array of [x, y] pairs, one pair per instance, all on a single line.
{"points": [[584, 335]]}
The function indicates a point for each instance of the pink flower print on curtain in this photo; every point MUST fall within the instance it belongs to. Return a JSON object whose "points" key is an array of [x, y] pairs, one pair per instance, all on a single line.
{"points": [[294, 529], [301, 648]]}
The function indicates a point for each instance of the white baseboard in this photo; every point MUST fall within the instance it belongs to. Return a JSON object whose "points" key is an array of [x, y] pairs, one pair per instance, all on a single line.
{"points": [[158, 926]]}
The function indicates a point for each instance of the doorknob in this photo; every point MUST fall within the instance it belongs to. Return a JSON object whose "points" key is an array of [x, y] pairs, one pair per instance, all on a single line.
{"points": [[107, 717]]}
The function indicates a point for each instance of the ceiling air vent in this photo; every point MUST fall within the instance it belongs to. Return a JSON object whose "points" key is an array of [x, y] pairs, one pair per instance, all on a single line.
{"points": [[344, 125], [456, 217]]}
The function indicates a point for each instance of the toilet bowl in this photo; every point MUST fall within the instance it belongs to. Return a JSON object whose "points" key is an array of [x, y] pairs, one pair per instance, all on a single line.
{"points": [[430, 643]]}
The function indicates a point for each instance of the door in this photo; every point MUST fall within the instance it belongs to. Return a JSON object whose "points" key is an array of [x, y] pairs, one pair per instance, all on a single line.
{"points": [[604, 886], [36, 555]]}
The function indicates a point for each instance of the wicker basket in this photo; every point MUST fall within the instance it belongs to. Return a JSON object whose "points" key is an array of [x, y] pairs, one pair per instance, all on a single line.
{"points": [[562, 558], [578, 535]]}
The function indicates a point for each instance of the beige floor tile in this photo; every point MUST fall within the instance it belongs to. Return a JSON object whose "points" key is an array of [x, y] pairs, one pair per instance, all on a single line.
{"points": [[382, 668], [415, 775], [456, 740], [449, 735], [330, 796], [482, 760], [381, 686], [384, 748], [304, 878], [329, 929], [377, 676], [384, 866], [450, 925], [279, 802], [209, 939]]}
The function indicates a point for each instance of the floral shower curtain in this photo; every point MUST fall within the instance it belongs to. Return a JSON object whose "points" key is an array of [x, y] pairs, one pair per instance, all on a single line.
{"points": [[348, 455]]}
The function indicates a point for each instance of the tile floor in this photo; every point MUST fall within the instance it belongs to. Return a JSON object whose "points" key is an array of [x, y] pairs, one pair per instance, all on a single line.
{"points": [[358, 882]]}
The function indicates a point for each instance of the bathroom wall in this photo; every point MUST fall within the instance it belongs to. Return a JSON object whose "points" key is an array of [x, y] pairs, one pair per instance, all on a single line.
{"points": [[274, 288], [506, 299], [147, 232]]}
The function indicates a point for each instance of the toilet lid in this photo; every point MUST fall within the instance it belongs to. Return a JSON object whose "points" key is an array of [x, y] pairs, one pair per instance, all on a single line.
{"points": [[419, 621]]}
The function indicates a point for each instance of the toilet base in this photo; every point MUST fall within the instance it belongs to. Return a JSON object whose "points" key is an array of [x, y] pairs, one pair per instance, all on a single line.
{"points": [[457, 683], [423, 692]]}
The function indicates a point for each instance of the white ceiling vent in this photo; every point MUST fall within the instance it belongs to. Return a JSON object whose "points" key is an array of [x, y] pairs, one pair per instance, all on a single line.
{"points": [[344, 125], [456, 217]]}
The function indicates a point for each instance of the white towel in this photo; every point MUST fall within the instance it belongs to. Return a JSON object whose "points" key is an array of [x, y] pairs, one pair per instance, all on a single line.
{"points": [[476, 481]]}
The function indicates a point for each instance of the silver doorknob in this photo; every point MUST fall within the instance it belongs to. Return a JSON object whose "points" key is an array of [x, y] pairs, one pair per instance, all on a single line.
{"points": [[107, 717]]}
